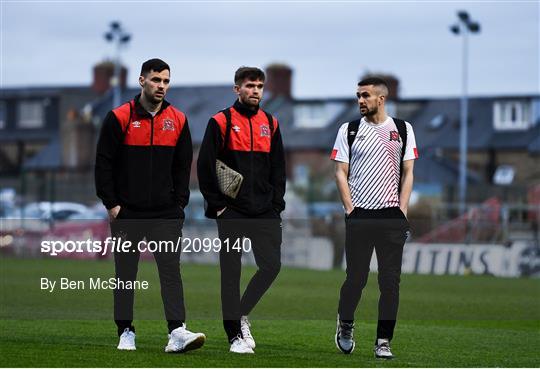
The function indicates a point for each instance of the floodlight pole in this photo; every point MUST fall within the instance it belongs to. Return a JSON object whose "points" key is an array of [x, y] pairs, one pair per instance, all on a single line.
{"points": [[463, 128], [117, 91], [464, 27], [120, 38]]}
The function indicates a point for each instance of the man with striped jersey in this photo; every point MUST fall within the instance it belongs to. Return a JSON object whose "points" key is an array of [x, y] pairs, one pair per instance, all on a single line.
{"points": [[374, 174]]}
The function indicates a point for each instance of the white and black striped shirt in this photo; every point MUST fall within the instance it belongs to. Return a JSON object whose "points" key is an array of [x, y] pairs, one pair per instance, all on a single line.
{"points": [[374, 173]]}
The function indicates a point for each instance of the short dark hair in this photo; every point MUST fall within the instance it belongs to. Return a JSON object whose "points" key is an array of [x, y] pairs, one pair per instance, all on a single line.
{"points": [[156, 65], [249, 73], [375, 81]]}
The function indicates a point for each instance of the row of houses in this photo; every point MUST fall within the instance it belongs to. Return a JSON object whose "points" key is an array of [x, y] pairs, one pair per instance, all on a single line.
{"points": [[53, 131]]}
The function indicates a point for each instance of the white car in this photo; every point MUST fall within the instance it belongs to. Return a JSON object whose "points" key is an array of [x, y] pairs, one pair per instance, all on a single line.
{"points": [[52, 211], [37, 216]]}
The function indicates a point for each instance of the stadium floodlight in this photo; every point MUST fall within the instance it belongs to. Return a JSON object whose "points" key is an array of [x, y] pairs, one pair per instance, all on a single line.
{"points": [[119, 37], [464, 27]]}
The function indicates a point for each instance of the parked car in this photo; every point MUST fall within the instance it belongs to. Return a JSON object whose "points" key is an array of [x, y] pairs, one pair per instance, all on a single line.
{"points": [[50, 210], [37, 216], [91, 214]]}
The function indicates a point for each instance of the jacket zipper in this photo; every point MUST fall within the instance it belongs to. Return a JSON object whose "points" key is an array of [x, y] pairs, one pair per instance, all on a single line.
{"points": [[251, 161], [151, 160]]}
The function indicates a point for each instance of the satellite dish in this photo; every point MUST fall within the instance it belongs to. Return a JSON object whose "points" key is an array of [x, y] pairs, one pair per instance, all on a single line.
{"points": [[437, 121], [504, 175]]}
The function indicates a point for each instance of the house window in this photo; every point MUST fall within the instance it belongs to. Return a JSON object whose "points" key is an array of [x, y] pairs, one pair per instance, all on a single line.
{"points": [[30, 114], [316, 115], [390, 108], [511, 115], [301, 175], [2, 114], [309, 116]]}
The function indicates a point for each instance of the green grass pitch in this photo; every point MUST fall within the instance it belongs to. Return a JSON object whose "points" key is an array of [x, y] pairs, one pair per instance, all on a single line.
{"points": [[444, 321]]}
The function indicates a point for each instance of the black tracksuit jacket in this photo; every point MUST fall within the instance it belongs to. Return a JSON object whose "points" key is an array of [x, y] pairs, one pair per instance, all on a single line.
{"points": [[251, 150], [143, 163]]}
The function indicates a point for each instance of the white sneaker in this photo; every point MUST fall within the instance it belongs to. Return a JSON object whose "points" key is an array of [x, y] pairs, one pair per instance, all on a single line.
{"points": [[382, 349], [345, 336], [182, 340], [239, 346], [127, 341], [246, 333]]}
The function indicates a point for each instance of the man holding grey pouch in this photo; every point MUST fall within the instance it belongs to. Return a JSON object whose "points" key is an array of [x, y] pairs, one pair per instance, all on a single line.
{"points": [[241, 170]]}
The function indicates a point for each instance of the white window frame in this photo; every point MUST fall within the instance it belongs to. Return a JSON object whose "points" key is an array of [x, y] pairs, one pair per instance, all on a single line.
{"points": [[502, 115], [310, 116], [316, 115], [30, 114], [390, 108]]}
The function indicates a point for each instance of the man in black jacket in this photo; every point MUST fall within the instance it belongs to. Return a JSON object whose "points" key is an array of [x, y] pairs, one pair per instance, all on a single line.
{"points": [[247, 140], [142, 171]]}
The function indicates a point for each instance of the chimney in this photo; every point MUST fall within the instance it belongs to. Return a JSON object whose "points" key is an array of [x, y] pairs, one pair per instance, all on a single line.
{"points": [[103, 76], [391, 81], [279, 80]]}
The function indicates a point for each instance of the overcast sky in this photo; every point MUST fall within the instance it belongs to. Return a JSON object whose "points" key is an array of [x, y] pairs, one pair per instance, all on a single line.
{"points": [[328, 44]]}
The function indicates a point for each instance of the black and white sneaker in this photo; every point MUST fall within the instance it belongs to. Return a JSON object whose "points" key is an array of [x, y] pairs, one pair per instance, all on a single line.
{"points": [[382, 349], [344, 336]]}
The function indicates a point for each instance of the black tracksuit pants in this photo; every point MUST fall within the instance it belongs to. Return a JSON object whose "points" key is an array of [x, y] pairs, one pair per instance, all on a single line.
{"points": [[264, 231], [157, 226], [385, 231]]}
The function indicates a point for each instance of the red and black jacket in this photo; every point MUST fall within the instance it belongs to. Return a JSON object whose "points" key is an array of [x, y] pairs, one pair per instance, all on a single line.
{"points": [[142, 162], [254, 148]]}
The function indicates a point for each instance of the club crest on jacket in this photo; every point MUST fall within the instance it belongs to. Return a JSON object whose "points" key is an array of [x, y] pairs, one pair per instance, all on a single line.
{"points": [[168, 125], [265, 130]]}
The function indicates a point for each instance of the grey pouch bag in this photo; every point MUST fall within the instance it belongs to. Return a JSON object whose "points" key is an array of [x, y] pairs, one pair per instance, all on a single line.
{"points": [[229, 180]]}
